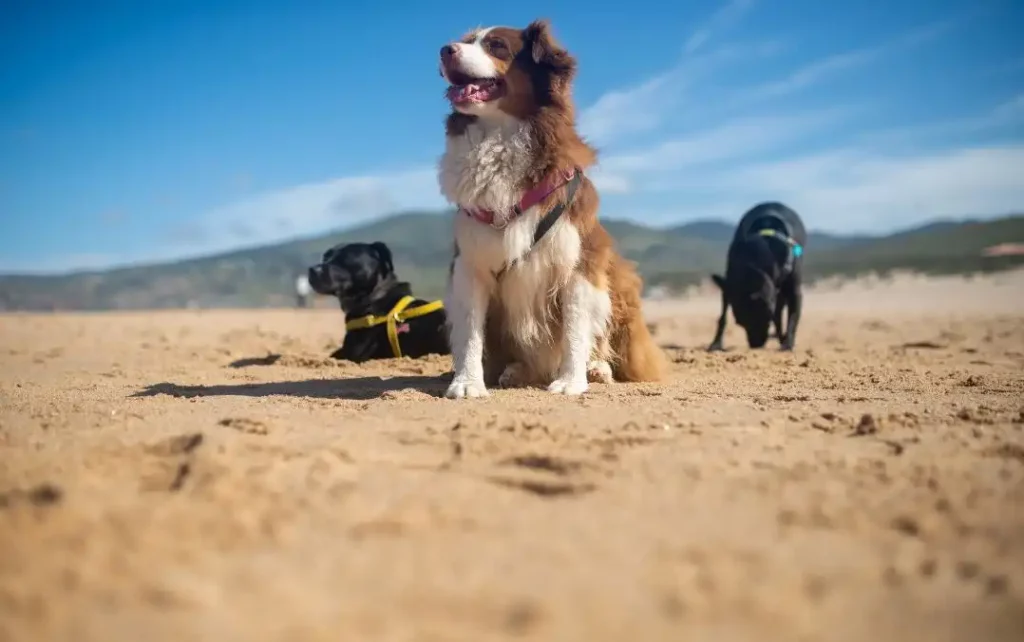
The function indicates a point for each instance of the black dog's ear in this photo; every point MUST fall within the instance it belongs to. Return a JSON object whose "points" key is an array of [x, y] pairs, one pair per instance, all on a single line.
{"points": [[544, 50], [719, 280], [384, 254]]}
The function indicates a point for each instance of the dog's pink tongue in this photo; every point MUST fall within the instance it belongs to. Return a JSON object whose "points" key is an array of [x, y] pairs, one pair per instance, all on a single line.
{"points": [[463, 93]]}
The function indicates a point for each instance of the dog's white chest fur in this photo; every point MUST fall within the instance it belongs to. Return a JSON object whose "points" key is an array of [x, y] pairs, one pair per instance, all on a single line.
{"points": [[486, 164], [484, 168]]}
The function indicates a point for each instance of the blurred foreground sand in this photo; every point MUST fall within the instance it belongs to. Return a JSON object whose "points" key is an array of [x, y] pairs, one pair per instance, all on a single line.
{"points": [[211, 476]]}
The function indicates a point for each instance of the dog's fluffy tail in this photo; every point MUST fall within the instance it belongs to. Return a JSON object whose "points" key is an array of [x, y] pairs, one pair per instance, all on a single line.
{"points": [[636, 356]]}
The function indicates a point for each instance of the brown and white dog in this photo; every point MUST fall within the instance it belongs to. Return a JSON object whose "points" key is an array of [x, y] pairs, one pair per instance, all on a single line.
{"points": [[537, 293]]}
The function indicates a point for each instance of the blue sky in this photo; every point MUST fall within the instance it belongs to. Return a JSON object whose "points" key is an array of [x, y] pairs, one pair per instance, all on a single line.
{"points": [[142, 131]]}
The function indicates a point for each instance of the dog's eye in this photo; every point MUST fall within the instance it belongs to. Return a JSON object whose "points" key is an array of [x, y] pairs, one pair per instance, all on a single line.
{"points": [[496, 46]]}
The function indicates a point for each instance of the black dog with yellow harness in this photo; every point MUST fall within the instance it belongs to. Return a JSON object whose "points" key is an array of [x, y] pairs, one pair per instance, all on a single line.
{"points": [[383, 319]]}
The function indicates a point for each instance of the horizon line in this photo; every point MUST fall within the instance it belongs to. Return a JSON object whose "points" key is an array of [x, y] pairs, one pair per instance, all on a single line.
{"points": [[130, 265]]}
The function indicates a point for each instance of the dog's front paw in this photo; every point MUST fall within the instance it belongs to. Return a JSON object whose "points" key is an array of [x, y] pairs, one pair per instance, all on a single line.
{"points": [[568, 386], [462, 388], [715, 347], [786, 346]]}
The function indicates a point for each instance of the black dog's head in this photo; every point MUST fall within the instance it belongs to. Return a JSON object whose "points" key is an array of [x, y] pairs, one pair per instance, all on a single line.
{"points": [[353, 272], [749, 286]]}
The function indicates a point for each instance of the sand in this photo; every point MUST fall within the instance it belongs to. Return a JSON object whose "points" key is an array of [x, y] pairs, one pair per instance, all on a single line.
{"points": [[210, 475]]}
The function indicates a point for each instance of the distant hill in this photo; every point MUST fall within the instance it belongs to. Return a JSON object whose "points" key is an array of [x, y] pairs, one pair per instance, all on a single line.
{"points": [[674, 257]]}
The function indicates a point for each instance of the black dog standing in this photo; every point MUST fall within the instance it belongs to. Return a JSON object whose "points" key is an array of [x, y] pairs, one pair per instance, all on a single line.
{"points": [[382, 318], [763, 275]]}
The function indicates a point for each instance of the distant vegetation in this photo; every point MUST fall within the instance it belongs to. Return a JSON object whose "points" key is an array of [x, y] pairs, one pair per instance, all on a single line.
{"points": [[674, 258]]}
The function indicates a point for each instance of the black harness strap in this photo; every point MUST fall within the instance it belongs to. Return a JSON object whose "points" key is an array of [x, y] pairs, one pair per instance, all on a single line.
{"points": [[549, 220]]}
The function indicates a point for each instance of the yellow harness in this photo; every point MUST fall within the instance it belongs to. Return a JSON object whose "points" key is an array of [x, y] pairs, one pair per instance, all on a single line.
{"points": [[398, 314]]}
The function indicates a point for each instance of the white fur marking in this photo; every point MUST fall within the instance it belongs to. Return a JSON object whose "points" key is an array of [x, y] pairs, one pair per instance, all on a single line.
{"points": [[472, 60], [585, 319], [484, 167], [466, 302]]}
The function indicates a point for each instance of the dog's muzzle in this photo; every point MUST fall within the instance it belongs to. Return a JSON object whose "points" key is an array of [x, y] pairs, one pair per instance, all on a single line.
{"points": [[319, 278]]}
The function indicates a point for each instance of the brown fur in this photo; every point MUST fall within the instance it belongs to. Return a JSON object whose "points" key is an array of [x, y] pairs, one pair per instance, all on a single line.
{"points": [[630, 349], [538, 75]]}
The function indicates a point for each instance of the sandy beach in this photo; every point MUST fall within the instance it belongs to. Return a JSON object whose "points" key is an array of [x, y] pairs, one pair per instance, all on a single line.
{"points": [[211, 475]]}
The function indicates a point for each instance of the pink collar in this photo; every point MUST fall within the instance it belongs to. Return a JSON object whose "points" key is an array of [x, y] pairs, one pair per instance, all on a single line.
{"points": [[532, 197]]}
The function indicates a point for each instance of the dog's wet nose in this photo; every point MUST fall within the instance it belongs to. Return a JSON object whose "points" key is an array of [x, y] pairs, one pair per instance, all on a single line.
{"points": [[314, 272], [447, 53]]}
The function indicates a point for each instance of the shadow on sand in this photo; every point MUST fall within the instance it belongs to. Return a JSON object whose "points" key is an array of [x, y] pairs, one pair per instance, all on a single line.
{"points": [[246, 362], [360, 388]]}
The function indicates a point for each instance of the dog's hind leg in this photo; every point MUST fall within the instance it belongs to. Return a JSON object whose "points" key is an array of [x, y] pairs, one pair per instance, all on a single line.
{"points": [[599, 368], [796, 301], [515, 375], [599, 371], [779, 334], [716, 343]]}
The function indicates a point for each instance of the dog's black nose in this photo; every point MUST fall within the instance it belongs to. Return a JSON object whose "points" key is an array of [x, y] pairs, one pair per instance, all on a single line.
{"points": [[314, 273], [447, 52]]}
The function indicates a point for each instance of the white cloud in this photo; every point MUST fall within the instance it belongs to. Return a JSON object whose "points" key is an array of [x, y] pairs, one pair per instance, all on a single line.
{"points": [[1011, 109], [810, 74], [878, 192], [627, 111], [1007, 114], [609, 182], [315, 207], [643, 107], [270, 217], [656, 168], [737, 139], [726, 16], [851, 190], [831, 65]]}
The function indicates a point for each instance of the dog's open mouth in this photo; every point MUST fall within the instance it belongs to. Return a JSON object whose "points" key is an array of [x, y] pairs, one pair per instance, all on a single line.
{"points": [[465, 90]]}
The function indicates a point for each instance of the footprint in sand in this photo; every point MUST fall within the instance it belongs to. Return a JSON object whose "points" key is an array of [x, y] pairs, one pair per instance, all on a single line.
{"points": [[243, 424]]}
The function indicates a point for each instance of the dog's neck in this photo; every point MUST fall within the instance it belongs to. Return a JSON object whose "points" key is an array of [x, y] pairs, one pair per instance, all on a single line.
{"points": [[485, 166], [763, 254], [380, 300]]}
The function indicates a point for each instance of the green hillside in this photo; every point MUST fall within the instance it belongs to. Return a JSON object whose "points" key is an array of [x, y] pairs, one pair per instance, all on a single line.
{"points": [[421, 243]]}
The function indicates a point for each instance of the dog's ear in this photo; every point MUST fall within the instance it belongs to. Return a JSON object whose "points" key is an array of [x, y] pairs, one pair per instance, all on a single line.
{"points": [[384, 255], [545, 51], [718, 280]]}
